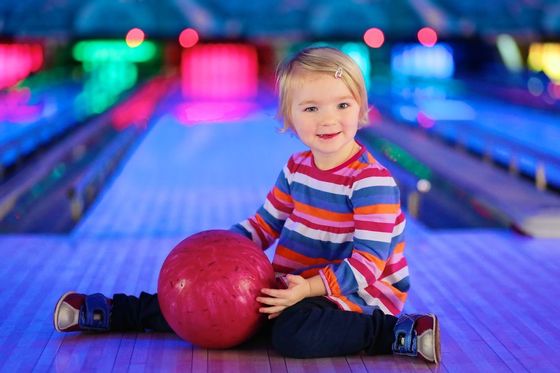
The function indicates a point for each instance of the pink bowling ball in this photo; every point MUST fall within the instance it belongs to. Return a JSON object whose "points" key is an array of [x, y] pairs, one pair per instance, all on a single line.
{"points": [[208, 285]]}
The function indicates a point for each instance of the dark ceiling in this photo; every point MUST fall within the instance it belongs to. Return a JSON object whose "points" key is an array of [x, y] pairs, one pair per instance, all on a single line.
{"points": [[294, 19]]}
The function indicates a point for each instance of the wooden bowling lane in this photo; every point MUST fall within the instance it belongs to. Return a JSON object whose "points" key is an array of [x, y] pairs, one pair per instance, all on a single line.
{"points": [[494, 291]]}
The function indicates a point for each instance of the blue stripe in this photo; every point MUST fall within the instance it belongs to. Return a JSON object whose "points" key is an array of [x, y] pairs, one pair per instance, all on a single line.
{"points": [[377, 195], [314, 248], [282, 183], [403, 285], [367, 309], [345, 277], [238, 228], [276, 224], [381, 250], [323, 200]]}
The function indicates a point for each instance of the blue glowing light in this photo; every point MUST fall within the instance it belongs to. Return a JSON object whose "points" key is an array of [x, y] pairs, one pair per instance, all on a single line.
{"points": [[427, 62]]}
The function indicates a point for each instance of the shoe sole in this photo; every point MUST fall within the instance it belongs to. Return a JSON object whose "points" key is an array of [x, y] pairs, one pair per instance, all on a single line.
{"points": [[57, 308], [437, 347]]}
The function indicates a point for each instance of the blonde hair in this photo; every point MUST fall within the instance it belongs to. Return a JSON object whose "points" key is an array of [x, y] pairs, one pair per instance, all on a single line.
{"points": [[320, 60]]}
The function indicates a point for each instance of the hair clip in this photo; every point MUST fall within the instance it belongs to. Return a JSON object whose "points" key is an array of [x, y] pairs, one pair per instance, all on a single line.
{"points": [[338, 73]]}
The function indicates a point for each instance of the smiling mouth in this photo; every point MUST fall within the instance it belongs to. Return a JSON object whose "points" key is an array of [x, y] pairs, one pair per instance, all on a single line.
{"points": [[328, 135]]}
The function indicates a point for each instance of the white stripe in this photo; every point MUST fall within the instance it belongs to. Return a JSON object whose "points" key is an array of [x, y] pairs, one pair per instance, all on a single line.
{"points": [[374, 181], [287, 174], [323, 186], [373, 236], [318, 234], [277, 214], [371, 267], [399, 228], [362, 282], [396, 276], [371, 301], [338, 301]]}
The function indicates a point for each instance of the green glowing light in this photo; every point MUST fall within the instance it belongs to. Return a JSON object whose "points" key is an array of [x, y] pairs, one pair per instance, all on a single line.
{"points": [[399, 156], [509, 51], [113, 50]]}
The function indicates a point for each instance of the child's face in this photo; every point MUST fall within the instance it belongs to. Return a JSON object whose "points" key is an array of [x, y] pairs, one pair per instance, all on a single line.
{"points": [[325, 116]]}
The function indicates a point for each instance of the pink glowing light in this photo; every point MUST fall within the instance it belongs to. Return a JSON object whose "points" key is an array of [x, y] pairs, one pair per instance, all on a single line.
{"points": [[37, 57], [15, 107], [554, 90], [134, 37], [137, 111], [427, 36], [374, 116], [17, 61], [374, 37], [424, 120], [188, 38], [220, 72]]}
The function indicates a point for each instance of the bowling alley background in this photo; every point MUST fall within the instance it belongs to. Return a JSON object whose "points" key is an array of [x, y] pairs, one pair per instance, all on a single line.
{"points": [[126, 126]]}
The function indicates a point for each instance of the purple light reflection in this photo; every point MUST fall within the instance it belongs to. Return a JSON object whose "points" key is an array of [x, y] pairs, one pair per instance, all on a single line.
{"points": [[201, 112], [15, 107]]}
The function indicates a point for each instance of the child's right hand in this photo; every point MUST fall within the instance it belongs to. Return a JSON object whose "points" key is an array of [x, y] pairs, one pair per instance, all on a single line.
{"points": [[278, 300]]}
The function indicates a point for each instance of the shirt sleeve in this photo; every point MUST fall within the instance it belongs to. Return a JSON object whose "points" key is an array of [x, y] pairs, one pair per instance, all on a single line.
{"points": [[264, 227], [378, 229]]}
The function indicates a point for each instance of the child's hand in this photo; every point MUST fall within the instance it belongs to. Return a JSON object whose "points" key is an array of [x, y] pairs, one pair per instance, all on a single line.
{"points": [[278, 300]]}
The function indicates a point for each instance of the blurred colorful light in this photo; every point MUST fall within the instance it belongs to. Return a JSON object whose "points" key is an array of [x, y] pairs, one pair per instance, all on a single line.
{"points": [[188, 38], [554, 90], [427, 36], [111, 69], [220, 71], [138, 109], [112, 50], [374, 37], [545, 57], [535, 86], [16, 106], [419, 61], [207, 112], [424, 120], [359, 53], [509, 51], [17, 61], [134, 37]]}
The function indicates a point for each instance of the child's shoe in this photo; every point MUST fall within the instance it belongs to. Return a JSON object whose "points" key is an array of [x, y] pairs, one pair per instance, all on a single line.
{"points": [[418, 335], [80, 312]]}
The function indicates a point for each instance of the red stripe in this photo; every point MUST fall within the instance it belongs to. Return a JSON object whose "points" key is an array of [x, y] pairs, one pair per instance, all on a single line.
{"points": [[374, 226], [394, 267], [363, 269], [279, 205], [259, 233], [341, 180], [292, 165], [373, 172], [376, 293]]}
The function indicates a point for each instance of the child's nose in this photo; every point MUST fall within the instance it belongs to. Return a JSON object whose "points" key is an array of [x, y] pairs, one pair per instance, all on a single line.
{"points": [[329, 118]]}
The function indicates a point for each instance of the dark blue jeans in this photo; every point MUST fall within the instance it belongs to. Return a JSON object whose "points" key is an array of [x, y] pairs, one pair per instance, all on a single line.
{"points": [[314, 327]]}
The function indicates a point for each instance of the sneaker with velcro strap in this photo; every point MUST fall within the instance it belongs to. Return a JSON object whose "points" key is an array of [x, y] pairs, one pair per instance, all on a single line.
{"points": [[79, 312]]}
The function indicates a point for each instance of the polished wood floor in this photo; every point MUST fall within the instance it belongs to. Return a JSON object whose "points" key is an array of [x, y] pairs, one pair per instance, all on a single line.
{"points": [[496, 292]]}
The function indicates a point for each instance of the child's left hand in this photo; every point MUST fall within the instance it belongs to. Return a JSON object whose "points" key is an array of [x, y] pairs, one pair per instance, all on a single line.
{"points": [[278, 300]]}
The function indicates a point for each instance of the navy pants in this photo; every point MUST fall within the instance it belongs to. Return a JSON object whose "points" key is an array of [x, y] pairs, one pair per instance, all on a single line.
{"points": [[314, 327]]}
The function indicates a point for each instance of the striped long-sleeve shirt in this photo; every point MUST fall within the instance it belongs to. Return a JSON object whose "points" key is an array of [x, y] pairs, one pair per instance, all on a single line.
{"points": [[344, 224]]}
